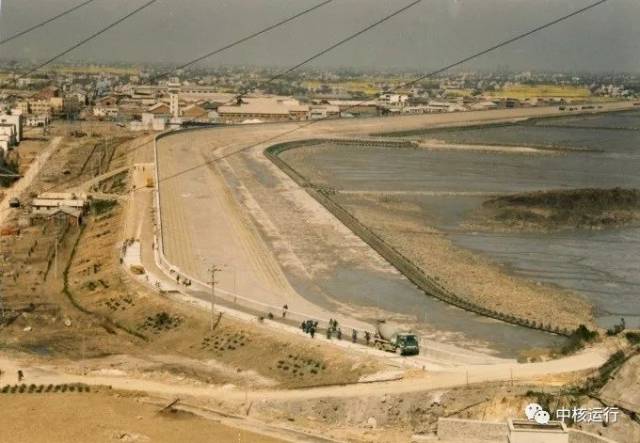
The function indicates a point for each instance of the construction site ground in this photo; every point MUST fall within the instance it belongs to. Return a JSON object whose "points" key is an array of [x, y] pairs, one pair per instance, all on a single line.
{"points": [[80, 316]]}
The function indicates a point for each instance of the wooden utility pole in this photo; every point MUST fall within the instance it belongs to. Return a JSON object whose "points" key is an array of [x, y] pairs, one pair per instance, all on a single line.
{"points": [[212, 270], [55, 266], [1, 281]]}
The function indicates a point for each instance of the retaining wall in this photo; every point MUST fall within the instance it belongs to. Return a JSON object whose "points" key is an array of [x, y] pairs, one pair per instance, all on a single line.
{"points": [[403, 264]]}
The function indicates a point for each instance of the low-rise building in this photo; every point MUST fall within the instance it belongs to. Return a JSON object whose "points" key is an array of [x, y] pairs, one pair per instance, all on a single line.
{"points": [[10, 131], [35, 121], [48, 203], [264, 109], [149, 122], [324, 111]]}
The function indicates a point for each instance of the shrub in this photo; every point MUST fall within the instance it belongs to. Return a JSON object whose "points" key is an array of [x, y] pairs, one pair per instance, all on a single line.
{"points": [[578, 339], [616, 329], [102, 206], [633, 337]]}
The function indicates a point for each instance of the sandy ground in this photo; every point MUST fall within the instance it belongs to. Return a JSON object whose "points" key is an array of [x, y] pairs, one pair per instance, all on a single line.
{"points": [[470, 275], [184, 341], [624, 389], [45, 373], [210, 217], [107, 417]]}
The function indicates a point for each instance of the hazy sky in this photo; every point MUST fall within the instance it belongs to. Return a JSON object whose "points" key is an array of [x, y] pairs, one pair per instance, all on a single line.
{"points": [[430, 35]]}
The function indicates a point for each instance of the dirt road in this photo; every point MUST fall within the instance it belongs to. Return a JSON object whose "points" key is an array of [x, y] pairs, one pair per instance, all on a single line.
{"points": [[19, 186], [39, 373]]}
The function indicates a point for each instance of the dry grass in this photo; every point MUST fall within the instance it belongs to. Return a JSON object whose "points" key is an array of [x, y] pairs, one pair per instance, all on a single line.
{"points": [[531, 91]]}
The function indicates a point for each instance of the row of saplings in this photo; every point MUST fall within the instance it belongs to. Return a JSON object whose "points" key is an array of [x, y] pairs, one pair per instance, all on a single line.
{"points": [[43, 389]]}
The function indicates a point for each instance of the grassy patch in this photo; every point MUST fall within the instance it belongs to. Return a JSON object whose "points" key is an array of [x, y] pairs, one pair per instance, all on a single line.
{"points": [[103, 206]]}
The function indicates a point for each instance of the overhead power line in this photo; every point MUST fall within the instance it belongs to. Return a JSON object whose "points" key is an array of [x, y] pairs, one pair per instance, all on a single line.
{"points": [[418, 79], [506, 42], [324, 51], [88, 39], [242, 40], [313, 57], [46, 22]]}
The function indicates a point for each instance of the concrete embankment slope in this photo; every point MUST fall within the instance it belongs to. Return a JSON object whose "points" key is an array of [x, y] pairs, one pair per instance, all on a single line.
{"points": [[403, 264], [206, 219]]}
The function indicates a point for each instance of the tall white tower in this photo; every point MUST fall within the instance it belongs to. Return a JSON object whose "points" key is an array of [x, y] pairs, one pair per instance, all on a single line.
{"points": [[174, 105]]}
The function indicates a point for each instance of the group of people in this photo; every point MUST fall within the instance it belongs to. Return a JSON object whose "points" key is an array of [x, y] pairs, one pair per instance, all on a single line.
{"points": [[311, 326], [334, 329]]}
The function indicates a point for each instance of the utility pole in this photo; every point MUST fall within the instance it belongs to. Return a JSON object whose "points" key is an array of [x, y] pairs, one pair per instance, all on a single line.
{"points": [[55, 269], [1, 281], [212, 270]]}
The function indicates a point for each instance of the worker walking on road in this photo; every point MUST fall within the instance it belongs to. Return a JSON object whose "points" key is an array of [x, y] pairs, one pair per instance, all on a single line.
{"points": [[354, 336], [367, 337]]}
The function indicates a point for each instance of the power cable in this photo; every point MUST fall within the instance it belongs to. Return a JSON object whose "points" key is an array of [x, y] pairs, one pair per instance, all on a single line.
{"points": [[46, 22], [432, 73], [242, 40], [318, 54], [88, 39], [418, 79]]}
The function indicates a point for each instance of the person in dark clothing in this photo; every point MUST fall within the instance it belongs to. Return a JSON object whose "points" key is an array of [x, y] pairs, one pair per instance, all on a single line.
{"points": [[339, 334], [303, 326], [354, 336], [312, 331], [20, 375], [367, 336]]}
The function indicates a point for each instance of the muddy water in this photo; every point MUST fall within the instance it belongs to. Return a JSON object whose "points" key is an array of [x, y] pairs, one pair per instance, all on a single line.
{"points": [[447, 185], [334, 273]]}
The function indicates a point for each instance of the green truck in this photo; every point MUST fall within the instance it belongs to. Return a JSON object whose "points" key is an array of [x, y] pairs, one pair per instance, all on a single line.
{"points": [[392, 338]]}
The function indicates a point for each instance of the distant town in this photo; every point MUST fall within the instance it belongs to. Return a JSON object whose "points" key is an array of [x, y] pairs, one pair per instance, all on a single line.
{"points": [[147, 99]]}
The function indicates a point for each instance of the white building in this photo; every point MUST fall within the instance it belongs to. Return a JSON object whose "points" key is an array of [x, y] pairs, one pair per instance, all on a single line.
{"points": [[393, 100], [48, 201], [174, 105], [10, 131], [324, 111], [35, 121], [16, 120], [105, 111], [150, 122], [435, 107]]}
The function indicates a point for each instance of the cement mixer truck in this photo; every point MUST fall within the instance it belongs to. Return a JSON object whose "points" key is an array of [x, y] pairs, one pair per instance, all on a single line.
{"points": [[392, 338]]}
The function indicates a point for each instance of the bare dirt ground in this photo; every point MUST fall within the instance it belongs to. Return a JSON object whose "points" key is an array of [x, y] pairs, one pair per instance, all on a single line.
{"points": [[107, 417], [86, 320]]}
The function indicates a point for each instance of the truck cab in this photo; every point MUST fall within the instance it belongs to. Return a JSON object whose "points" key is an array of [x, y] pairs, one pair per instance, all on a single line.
{"points": [[407, 344]]}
